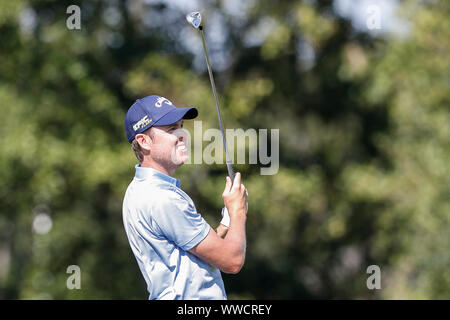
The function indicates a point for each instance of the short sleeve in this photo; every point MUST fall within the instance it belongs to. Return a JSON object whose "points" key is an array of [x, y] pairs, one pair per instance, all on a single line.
{"points": [[179, 221]]}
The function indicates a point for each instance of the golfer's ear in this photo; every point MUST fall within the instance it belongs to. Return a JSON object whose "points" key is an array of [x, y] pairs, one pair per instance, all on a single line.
{"points": [[144, 141]]}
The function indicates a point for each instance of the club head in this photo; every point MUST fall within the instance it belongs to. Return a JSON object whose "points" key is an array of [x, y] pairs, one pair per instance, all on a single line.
{"points": [[195, 19]]}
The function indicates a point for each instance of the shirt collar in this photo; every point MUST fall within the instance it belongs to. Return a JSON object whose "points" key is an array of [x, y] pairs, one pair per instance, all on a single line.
{"points": [[148, 173]]}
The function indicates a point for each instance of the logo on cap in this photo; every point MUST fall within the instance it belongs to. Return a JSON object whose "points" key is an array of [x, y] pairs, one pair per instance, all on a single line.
{"points": [[160, 101], [141, 123]]}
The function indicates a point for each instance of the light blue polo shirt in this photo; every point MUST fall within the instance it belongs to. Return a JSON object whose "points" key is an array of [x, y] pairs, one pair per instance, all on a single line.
{"points": [[162, 224]]}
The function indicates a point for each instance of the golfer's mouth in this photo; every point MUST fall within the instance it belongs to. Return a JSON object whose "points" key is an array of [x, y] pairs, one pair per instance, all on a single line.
{"points": [[181, 147]]}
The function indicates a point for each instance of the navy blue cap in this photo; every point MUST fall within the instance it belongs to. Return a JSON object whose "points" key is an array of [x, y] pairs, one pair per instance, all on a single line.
{"points": [[154, 111]]}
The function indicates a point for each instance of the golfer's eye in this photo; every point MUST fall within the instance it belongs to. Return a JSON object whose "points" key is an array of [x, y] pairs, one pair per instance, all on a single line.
{"points": [[172, 129]]}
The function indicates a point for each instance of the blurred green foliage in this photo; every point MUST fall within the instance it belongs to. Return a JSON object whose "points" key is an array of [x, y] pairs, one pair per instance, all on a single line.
{"points": [[364, 144]]}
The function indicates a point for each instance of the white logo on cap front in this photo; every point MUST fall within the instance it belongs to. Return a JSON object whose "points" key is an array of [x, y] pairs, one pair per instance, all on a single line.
{"points": [[160, 101]]}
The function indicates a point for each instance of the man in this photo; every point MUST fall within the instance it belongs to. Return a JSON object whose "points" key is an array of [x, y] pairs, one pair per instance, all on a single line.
{"points": [[177, 251]]}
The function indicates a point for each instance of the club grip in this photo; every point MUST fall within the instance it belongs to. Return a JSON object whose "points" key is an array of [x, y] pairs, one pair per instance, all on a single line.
{"points": [[231, 173]]}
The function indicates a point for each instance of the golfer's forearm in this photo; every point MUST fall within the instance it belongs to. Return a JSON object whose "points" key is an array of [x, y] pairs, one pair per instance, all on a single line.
{"points": [[236, 243], [236, 231]]}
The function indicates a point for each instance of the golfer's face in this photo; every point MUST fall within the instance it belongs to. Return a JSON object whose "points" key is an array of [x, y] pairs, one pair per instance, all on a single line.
{"points": [[169, 144]]}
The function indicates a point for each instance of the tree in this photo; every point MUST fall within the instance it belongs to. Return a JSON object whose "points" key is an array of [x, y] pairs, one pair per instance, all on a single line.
{"points": [[363, 144]]}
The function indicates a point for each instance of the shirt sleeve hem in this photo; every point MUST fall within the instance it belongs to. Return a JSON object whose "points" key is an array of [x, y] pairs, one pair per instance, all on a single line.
{"points": [[198, 238]]}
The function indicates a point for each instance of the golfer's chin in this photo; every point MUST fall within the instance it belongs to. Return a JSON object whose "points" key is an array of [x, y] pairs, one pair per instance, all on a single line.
{"points": [[180, 157]]}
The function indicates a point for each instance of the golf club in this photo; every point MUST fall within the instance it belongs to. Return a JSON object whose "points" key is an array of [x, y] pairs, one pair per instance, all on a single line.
{"points": [[195, 19]]}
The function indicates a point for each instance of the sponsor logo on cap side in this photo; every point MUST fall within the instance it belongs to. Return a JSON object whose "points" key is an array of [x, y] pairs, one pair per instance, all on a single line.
{"points": [[141, 123]]}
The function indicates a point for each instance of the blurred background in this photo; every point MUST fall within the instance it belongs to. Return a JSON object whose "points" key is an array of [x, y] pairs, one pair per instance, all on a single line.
{"points": [[359, 91]]}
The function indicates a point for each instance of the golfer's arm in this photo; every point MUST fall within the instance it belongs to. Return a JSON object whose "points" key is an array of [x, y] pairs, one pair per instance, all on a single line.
{"points": [[221, 231], [227, 254]]}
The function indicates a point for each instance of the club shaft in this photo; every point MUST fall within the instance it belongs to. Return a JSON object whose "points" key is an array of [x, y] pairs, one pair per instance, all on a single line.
{"points": [[213, 86]]}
